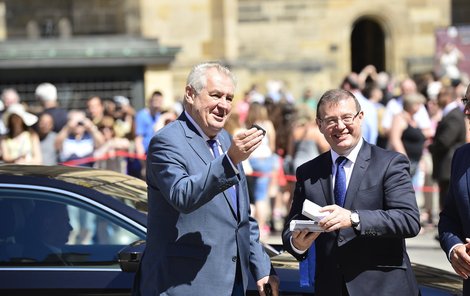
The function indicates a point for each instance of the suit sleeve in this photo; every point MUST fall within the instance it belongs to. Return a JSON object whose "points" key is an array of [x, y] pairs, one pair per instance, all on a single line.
{"points": [[450, 224], [185, 185], [399, 214], [295, 213]]}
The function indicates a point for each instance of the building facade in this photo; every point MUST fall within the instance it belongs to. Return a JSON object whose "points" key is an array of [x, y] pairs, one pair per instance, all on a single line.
{"points": [[153, 43]]}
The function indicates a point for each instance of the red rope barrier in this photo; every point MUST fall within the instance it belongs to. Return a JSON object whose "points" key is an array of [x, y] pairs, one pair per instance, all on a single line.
{"points": [[288, 178]]}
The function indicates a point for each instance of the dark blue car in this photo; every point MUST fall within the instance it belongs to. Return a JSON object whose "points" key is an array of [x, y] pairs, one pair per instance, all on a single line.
{"points": [[81, 231]]}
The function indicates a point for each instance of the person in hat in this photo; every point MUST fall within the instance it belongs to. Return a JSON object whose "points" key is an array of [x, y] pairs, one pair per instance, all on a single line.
{"points": [[21, 144]]}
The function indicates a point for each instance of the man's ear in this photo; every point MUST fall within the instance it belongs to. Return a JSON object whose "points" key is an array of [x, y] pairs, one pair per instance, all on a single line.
{"points": [[190, 93]]}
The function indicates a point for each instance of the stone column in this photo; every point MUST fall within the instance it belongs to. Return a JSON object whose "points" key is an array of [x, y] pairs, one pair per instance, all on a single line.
{"points": [[3, 21]]}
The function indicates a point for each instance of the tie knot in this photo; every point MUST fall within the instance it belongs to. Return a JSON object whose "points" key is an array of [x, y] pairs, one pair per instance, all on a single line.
{"points": [[341, 161], [212, 143]]}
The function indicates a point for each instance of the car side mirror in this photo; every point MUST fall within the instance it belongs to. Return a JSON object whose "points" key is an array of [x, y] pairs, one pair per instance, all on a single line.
{"points": [[129, 257]]}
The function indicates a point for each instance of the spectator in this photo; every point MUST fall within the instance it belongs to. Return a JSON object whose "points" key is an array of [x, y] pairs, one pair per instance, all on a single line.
{"points": [[47, 95], [95, 109], [124, 117], [78, 139], [395, 106], [405, 135], [375, 95], [370, 128], [146, 119], [106, 153], [21, 143], [9, 97], [449, 61], [263, 162], [47, 139], [450, 134]]}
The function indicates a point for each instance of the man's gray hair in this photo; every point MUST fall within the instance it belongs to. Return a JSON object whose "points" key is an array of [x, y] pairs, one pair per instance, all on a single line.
{"points": [[197, 78]]}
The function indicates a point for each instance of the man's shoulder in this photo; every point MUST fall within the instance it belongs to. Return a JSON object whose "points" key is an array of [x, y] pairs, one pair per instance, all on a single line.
{"points": [[316, 164], [463, 150]]}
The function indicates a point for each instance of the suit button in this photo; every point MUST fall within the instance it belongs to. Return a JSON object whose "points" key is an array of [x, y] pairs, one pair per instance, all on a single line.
{"points": [[234, 258]]}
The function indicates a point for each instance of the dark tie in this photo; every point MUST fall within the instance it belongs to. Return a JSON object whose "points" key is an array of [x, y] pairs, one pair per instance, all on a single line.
{"points": [[340, 181], [231, 190]]}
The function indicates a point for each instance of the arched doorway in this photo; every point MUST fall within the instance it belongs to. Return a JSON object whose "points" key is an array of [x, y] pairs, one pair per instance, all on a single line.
{"points": [[367, 45]]}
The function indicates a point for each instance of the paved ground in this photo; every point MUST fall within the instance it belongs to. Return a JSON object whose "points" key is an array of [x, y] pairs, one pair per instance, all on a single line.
{"points": [[422, 249]]}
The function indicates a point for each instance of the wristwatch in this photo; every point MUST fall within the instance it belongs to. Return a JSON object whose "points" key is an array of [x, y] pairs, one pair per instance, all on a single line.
{"points": [[355, 221]]}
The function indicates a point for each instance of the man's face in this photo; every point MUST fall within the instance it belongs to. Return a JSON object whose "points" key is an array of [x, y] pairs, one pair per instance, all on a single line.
{"points": [[95, 108], [341, 137], [211, 107], [156, 103]]}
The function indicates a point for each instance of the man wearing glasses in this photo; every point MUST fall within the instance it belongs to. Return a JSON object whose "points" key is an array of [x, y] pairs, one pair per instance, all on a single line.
{"points": [[454, 222], [369, 201]]}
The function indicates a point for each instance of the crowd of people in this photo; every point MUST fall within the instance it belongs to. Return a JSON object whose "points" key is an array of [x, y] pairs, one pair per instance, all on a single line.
{"points": [[420, 117]]}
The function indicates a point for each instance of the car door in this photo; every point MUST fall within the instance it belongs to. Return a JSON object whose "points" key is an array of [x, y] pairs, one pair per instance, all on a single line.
{"points": [[58, 242]]}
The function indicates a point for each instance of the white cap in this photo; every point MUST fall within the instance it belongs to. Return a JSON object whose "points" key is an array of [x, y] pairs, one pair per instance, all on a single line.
{"points": [[46, 92]]}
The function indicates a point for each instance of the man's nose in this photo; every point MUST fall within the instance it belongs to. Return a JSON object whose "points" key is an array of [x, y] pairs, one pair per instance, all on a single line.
{"points": [[224, 103]]}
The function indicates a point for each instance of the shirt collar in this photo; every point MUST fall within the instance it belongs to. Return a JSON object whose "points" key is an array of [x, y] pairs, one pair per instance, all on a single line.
{"points": [[449, 107], [351, 156], [198, 128]]}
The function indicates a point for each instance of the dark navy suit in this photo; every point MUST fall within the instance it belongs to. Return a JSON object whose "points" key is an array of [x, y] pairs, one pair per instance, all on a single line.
{"points": [[372, 261], [454, 222]]}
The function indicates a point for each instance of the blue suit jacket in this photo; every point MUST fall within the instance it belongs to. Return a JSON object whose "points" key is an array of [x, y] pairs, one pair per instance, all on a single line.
{"points": [[454, 222], [194, 237], [372, 261]]}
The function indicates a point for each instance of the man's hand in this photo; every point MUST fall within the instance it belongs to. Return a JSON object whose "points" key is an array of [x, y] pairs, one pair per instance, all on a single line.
{"points": [[243, 144], [273, 281], [460, 259], [302, 240], [338, 218]]}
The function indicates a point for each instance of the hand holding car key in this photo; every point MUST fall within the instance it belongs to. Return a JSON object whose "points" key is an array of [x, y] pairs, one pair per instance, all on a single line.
{"points": [[245, 142]]}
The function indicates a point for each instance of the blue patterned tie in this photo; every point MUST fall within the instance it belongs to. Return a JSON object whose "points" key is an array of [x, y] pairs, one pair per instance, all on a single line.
{"points": [[340, 181], [231, 190]]}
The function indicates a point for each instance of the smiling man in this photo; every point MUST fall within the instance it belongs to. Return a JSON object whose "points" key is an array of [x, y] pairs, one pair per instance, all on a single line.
{"points": [[372, 208], [201, 239]]}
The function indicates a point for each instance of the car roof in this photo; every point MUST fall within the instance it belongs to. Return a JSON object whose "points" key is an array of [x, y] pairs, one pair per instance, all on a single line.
{"points": [[96, 183]]}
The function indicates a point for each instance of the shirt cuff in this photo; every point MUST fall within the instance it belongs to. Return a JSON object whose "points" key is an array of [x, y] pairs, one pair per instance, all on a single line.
{"points": [[295, 249], [451, 249], [234, 167]]}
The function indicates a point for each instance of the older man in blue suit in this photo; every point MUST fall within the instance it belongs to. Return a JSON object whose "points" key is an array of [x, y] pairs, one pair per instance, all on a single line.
{"points": [[201, 239], [454, 222]]}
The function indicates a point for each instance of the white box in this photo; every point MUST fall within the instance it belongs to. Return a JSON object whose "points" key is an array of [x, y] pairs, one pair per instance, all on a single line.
{"points": [[312, 210], [312, 226]]}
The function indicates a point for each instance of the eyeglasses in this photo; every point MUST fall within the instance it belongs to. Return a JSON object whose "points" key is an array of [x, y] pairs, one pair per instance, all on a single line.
{"points": [[464, 101], [347, 119]]}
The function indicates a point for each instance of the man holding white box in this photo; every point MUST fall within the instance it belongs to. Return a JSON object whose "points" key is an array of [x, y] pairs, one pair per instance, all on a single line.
{"points": [[368, 205]]}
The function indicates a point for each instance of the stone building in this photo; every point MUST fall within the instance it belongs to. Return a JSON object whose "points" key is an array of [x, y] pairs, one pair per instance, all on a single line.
{"points": [[135, 47]]}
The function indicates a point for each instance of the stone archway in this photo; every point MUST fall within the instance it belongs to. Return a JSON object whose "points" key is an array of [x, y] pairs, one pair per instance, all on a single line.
{"points": [[367, 45]]}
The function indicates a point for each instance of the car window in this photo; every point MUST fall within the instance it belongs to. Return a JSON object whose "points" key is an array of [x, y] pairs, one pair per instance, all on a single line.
{"points": [[40, 228]]}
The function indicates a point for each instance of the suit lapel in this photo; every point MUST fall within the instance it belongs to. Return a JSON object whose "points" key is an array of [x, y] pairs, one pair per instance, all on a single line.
{"points": [[200, 148], [195, 140], [360, 167], [326, 179]]}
